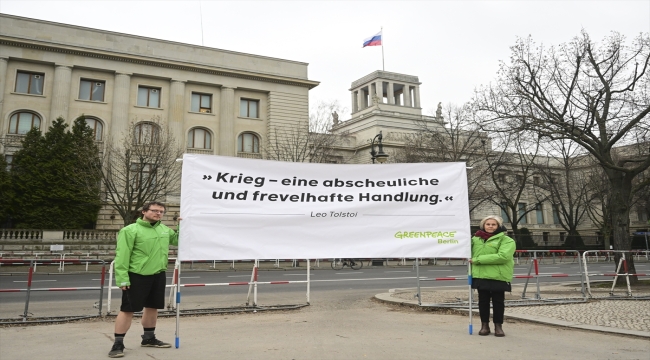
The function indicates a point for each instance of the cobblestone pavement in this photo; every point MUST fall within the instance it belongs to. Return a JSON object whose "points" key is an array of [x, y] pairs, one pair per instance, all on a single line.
{"points": [[620, 314]]}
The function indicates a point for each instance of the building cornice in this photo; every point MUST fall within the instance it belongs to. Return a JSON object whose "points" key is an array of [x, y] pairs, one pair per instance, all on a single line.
{"points": [[152, 61]]}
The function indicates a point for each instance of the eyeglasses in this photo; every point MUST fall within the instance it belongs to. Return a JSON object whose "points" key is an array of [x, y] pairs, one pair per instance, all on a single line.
{"points": [[157, 211]]}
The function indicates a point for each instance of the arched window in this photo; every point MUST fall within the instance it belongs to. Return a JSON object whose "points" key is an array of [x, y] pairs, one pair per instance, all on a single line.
{"points": [[146, 133], [97, 126], [20, 123], [248, 142], [199, 138]]}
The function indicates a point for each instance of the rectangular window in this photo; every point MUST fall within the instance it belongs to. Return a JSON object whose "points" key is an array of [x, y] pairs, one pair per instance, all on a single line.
{"points": [[556, 215], [92, 90], [504, 212], [201, 103], [520, 180], [545, 236], [521, 207], [29, 83], [149, 97], [501, 177], [144, 175], [562, 237], [536, 180], [540, 214], [248, 108]]}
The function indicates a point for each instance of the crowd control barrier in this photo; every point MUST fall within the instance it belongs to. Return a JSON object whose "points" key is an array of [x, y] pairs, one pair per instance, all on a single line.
{"points": [[622, 264], [176, 285], [29, 289]]}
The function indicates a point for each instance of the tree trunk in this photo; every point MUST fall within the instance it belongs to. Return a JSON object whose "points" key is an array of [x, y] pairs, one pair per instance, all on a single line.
{"points": [[621, 187]]}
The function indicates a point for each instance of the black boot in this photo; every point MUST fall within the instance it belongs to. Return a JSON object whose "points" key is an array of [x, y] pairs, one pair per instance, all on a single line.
{"points": [[498, 330], [485, 329]]}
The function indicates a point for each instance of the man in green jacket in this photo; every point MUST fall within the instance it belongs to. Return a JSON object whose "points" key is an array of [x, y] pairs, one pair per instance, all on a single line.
{"points": [[140, 262]]}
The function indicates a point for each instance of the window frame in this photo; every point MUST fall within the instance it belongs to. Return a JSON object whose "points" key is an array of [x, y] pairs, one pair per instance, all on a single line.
{"points": [[9, 159], [29, 84], [93, 83], [149, 90], [521, 213], [248, 108], [193, 142], [94, 128], [155, 133], [539, 212], [201, 108], [256, 143], [17, 114]]}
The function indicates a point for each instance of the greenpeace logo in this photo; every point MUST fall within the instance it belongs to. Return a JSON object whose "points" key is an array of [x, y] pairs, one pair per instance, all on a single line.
{"points": [[425, 234]]}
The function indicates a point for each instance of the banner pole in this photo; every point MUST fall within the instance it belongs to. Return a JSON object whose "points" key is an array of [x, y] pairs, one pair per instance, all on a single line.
{"points": [[178, 304], [469, 282]]}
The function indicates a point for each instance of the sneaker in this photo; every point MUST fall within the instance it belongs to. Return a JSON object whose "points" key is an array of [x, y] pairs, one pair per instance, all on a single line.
{"points": [[153, 342], [116, 351]]}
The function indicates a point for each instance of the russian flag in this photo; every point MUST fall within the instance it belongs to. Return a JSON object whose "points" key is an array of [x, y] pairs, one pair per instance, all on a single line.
{"points": [[374, 40]]}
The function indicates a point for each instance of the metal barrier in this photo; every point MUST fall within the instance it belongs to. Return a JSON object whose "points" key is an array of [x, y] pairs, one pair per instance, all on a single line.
{"points": [[30, 274], [622, 263], [176, 285], [534, 265]]}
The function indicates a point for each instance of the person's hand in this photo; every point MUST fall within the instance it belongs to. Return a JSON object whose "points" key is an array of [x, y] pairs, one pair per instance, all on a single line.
{"points": [[124, 287], [179, 218], [470, 260]]}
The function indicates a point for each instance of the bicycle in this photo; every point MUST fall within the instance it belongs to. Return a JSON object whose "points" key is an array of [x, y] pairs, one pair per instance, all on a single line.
{"points": [[338, 264]]}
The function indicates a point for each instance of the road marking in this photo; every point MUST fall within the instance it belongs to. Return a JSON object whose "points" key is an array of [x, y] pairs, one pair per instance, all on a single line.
{"points": [[439, 270], [239, 276], [350, 273], [400, 271], [24, 281], [186, 277], [297, 274]]}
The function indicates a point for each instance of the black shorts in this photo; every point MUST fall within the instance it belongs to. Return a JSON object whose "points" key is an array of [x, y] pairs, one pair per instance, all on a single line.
{"points": [[145, 291]]}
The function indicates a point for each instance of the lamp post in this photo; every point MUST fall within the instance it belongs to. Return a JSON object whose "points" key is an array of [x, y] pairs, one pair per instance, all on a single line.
{"points": [[379, 155]]}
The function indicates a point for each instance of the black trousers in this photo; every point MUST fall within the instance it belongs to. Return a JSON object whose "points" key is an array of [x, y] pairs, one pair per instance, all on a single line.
{"points": [[498, 305]]}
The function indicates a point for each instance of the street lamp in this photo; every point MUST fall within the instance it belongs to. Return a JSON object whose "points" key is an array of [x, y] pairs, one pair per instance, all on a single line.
{"points": [[380, 155]]}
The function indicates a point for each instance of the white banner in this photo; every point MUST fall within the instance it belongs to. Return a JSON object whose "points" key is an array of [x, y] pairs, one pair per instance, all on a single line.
{"points": [[235, 208]]}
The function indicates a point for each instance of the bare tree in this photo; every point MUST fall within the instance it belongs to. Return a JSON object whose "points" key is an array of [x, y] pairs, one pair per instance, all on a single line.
{"points": [[596, 95], [511, 163], [308, 141], [562, 181], [453, 137], [140, 167]]}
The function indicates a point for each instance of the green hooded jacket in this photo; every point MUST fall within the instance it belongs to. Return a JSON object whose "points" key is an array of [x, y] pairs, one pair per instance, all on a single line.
{"points": [[493, 259], [143, 249]]}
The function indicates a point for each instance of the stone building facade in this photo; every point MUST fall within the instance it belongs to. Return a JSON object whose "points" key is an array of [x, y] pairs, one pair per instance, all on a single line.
{"points": [[212, 101]]}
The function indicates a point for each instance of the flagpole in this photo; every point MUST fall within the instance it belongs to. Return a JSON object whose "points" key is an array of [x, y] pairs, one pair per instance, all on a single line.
{"points": [[383, 68]]}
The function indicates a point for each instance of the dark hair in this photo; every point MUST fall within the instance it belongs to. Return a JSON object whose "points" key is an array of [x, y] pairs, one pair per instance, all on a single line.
{"points": [[148, 205]]}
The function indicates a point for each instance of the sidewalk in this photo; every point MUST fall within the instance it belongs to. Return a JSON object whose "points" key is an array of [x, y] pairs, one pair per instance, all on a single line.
{"points": [[623, 317], [348, 324]]}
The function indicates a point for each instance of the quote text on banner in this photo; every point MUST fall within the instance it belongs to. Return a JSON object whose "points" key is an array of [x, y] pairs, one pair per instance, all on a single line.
{"points": [[236, 208]]}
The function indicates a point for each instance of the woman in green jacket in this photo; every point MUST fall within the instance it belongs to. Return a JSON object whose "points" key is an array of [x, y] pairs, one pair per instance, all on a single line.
{"points": [[492, 270]]}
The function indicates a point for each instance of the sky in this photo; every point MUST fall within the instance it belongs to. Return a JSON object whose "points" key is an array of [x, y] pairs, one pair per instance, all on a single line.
{"points": [[452, 46]]}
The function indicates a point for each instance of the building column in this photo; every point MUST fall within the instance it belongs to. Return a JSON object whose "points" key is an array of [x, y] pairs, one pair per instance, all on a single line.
{"points": [[360, 99], [407, 95], [3, 84], [416, 95], [120, 114], [61, 93], [390, 93], [379, 90], [227, 122], [175, 122], [353, 102]]}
